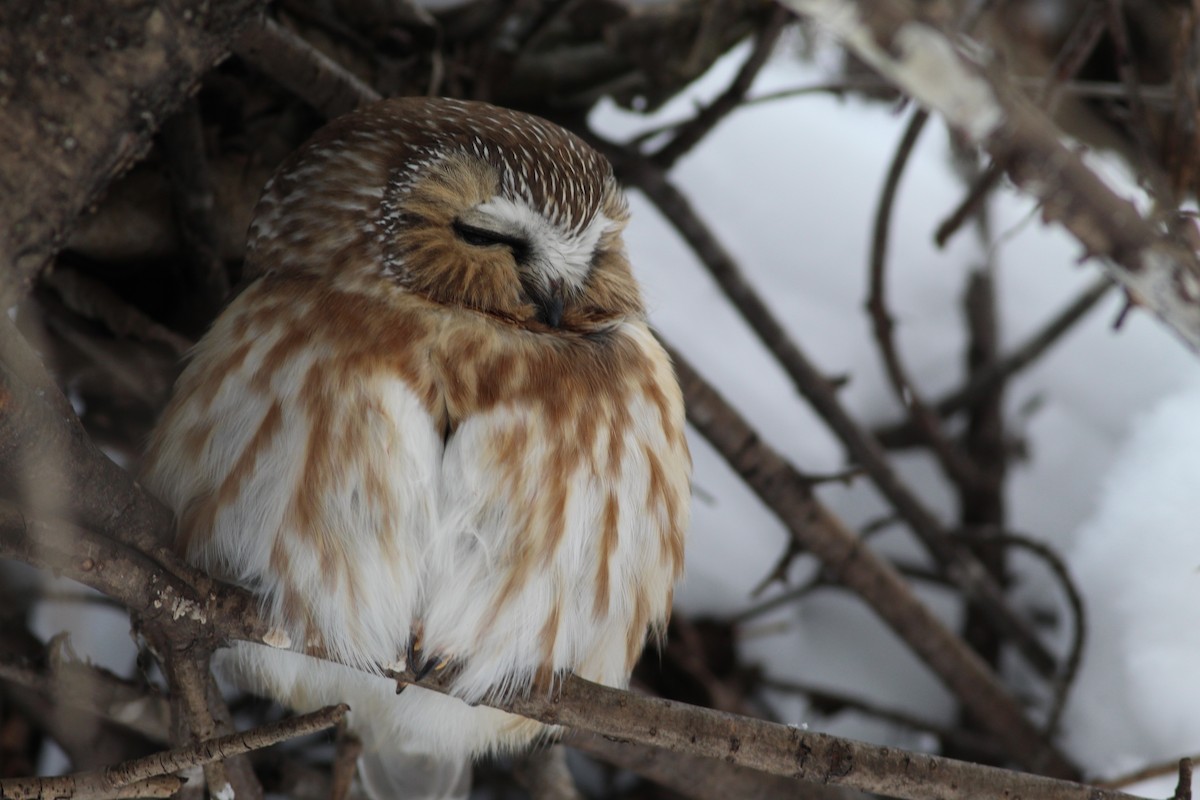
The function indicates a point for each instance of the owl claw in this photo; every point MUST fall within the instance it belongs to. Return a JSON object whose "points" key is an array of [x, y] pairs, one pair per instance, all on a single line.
{"points": [[436, 664]]}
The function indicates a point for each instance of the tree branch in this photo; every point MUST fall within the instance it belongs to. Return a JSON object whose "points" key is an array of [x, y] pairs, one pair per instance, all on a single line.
{"points": [[1158, 271], [76, 74], [961, 567], [152, 776]]}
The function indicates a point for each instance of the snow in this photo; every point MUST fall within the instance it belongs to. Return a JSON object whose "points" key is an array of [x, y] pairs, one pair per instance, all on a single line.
{"points": [[790, 188], [1138, 670], [1111, 419]]}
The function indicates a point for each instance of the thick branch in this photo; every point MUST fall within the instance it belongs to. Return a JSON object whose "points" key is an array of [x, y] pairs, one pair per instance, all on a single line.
{"points": [[83, 90], [855, 566], [764, 746]]}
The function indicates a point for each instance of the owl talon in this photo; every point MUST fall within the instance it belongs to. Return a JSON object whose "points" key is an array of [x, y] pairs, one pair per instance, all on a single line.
{"points": [[436, 664]]}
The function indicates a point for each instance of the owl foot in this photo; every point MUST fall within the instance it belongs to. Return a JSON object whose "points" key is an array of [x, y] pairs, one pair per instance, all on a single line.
{"points": [[434, 664]]}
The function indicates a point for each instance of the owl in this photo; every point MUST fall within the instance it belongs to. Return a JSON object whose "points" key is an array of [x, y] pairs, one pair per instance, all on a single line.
{"points": [[433, 428]]}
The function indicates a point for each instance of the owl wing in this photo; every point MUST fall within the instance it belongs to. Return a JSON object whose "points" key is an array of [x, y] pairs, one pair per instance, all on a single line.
{"points": [[299, 470], [560, 519]]}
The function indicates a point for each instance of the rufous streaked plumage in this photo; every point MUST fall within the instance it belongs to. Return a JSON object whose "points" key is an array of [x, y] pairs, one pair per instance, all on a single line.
{"points": [[435, 422]]}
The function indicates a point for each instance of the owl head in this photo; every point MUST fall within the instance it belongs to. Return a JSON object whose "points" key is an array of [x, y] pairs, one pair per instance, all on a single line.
{"points": [[461, 202]]}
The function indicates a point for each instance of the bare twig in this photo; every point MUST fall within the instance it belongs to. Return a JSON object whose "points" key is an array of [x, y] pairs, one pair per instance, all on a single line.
{"points": [[949, 455], [1183, 787], [1150, 772], [981, 383], [855, 566], [345, 762], [200, 715], [302, 69], [689, 134], [132, 778], [1078, 46], [984, 107], [1044, 553], [961, 567]]}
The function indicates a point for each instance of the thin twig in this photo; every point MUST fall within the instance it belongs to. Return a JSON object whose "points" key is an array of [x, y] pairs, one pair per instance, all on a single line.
{"points": [[689, 134], [951, 458], [303, 69], [966, 572], [130, 778], [981, 383], [850, 562], [1044, 553], [1150, 772]]}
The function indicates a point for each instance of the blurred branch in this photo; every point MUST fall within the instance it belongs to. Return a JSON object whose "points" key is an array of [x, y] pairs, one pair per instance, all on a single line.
{"points": [[689, 134], [1158, 272], [95, 301], [94, 690], [957, 467], [700, 778], [302, 69], [855, 566], [1070, 59], [980, 383], [84, 90], [152, 776], [961, 567], [201, 269]]}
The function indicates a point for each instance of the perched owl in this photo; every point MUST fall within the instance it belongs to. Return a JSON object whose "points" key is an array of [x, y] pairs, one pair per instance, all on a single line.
{"points": [[434, 425]]}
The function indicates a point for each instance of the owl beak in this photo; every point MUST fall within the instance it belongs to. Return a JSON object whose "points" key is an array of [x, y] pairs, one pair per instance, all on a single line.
{"points": [[550, 304]]}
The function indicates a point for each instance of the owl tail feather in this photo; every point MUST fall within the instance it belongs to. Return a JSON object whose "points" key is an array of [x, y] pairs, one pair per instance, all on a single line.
{"points": [[414, 776]]}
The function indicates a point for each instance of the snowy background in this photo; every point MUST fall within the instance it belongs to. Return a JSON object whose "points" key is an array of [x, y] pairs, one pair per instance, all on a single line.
{"points": [[1111, 419]]}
